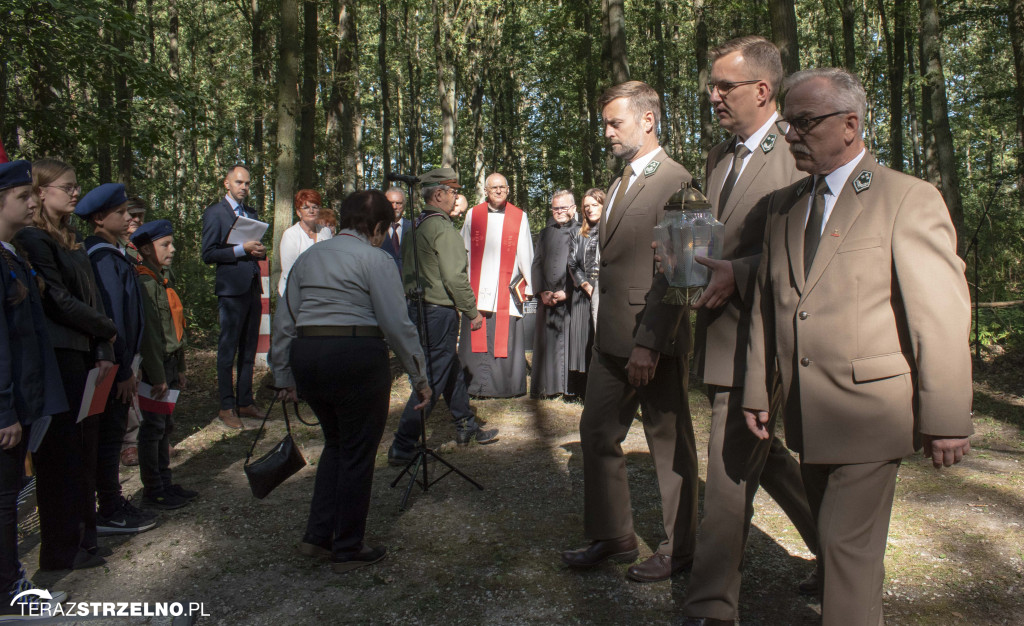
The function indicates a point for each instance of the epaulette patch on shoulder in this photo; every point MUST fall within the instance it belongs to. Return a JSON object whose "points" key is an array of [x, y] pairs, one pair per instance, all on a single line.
{"points": [[862, 182], [768, 143], [651, 168]]}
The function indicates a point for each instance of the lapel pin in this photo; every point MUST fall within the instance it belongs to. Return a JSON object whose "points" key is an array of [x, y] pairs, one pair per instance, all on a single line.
{"points": [[835, 232]]}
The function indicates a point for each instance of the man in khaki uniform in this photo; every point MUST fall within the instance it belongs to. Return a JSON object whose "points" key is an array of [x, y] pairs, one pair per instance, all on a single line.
{"points": [[746, 75], [639, 357], [863, 306]]}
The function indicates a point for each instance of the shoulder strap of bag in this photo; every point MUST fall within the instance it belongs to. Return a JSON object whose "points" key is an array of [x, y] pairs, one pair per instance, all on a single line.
{"points": [[259, 433]]}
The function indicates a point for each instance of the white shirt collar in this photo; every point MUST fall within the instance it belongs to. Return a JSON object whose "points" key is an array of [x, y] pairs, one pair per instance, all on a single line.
{"points": [[10, 248], [838, 178], [754, 140], [231, 202], [640, 163]]}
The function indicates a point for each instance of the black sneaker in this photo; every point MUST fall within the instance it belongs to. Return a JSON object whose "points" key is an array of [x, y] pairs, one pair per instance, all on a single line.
{"points": [[123, 521], [180, 491], [164, 500], [479, 435], [367, 556], [126, 503], [29, 606]]}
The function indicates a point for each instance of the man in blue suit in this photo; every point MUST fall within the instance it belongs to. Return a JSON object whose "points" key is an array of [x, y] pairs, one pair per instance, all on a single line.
{"points": [[393, 238], [239, 289]]}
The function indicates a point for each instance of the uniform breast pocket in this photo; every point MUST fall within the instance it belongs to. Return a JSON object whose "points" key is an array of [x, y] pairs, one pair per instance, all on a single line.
{"points": [[863, 259]]}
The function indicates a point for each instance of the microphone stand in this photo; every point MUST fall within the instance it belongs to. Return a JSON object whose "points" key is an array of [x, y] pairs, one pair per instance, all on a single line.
{"points": [[423, 452], [974, 246]]}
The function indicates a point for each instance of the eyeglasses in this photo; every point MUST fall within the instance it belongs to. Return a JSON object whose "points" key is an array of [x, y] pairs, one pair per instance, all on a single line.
{"points": [[724, 86], [563, 209], [311, 208], [499, 188], [803, 125], [68, 189]]}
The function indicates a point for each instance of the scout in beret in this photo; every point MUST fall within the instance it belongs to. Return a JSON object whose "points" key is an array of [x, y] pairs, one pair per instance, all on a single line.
{"points": [[163, 362], [29, 375], [105, 208]]}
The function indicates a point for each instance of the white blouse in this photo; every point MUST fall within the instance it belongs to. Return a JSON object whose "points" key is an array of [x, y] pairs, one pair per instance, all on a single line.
{"points": [[294, 242]]}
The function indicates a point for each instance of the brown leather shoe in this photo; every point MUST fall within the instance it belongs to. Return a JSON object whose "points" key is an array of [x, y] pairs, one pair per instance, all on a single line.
{"points": [[621, 550], [130, 456], [230, 419], [810, 586], [657, 568], [250, 411]]}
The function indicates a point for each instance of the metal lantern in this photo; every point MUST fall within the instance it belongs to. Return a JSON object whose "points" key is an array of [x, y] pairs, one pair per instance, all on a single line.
{"points": [[688, 230]]}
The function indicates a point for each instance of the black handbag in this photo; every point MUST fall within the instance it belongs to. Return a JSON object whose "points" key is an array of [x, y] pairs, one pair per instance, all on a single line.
{"points": [[275, 467]]}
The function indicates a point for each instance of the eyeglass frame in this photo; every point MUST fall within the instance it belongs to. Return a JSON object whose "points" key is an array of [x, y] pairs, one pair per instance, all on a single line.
{"points": [[732, 85], [68, 189], [810, 123], [563, 209]]}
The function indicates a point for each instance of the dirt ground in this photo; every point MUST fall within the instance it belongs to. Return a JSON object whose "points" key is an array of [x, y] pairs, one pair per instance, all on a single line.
{"points": [[463, 556]]}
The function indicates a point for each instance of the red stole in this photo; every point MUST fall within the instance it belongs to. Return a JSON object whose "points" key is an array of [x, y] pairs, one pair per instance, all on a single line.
{"points": [[509, 247]]}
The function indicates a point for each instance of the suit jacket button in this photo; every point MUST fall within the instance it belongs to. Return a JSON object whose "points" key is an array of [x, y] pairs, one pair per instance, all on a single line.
{"points": [[804, 315], [805, 361], [604, 263], [603, 290]]}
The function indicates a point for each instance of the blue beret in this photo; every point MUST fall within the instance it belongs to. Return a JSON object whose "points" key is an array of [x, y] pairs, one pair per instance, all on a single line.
{"points": [[106, 196], [151, 231], [15, 174]]}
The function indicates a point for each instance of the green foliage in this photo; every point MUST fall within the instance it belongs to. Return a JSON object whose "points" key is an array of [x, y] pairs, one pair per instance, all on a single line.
{"points": [[1003, 327]]}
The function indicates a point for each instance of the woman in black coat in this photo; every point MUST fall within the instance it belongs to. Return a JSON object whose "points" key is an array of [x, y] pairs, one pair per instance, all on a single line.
{"points": [[584, 258], [82, 337]]}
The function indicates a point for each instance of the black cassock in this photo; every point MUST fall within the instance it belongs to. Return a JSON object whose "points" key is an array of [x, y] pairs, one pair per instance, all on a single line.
{"points": [[551, 337]]}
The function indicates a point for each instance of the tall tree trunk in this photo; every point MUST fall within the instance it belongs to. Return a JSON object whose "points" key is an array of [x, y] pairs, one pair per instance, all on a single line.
{"points": [[847, 9], [700, 44], [415, 140], [287, 113], [782, 14], [123, 103], [260, 76], [343, 118], [445, 68], [1017, 36], [310, 74], [660, 53], [915, 134], [590, 79], [613, 56], [151, 31], [931, 41], [385, 92], [928, 153], [897, 66]]}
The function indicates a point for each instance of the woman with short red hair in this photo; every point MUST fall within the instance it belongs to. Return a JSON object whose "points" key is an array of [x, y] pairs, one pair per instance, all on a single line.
{"points": [[303, 234]]}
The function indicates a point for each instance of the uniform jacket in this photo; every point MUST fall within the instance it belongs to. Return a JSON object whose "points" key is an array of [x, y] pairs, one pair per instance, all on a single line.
{"points": [[386, 246], [75, 315], [119, 290], [443, 263], [871, 347], [160, 339], [631, 311], [720, 335], [30, 383], [234, 274]]}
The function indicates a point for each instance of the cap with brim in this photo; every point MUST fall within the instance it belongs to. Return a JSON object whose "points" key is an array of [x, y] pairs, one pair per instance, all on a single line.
{"points": [[15, 174], [441, 176], [135, 210], [151, 231], [106, 196]]}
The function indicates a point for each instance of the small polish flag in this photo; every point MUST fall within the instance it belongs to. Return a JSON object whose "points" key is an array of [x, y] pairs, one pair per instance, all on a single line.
{"points": [[163, 406], [97, 390], [3, 153]]}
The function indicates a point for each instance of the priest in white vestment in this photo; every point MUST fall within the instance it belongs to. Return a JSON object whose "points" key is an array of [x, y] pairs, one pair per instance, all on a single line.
{"points": [[497, 236]]}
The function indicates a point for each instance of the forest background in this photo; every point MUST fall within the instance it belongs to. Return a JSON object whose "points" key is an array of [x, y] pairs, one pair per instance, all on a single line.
{"points": [[164, 95]]}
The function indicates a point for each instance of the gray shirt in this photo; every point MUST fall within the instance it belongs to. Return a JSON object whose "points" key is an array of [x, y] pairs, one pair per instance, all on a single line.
{"points": [[345, 281]]}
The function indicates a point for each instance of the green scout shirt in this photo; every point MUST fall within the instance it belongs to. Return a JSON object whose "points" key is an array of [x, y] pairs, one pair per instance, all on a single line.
{"points": [[159, 338], [444, 264]]}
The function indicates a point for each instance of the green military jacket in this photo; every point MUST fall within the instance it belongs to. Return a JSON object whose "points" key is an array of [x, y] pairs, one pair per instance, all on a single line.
{"points": [[442, 261], [159, 338]]}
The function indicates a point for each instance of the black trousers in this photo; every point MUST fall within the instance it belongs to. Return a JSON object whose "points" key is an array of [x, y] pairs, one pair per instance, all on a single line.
{"points": [[12, 474], [155, 441], [444, 371], [112, 425], [347, 383], [61, 475], [239, 335]]}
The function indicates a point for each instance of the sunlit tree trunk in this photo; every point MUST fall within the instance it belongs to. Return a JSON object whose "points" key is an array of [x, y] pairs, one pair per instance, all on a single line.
{"points": [[307, 130], [782, 14], [613, 55], [287, 113]]}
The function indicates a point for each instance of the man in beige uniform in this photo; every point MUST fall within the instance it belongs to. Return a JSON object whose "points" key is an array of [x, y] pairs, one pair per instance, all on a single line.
{"points": [[746, 75], [640, 355], [863, 305]]}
